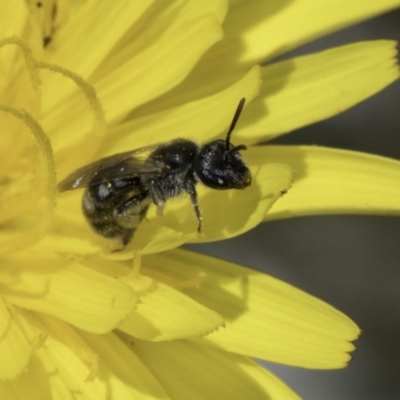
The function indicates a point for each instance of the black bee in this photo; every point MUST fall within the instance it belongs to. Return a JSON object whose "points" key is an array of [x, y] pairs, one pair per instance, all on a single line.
{"points": [[120, 188]]}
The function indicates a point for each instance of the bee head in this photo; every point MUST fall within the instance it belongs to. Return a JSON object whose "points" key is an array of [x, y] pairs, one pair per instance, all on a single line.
{"points": [[219, 163]]}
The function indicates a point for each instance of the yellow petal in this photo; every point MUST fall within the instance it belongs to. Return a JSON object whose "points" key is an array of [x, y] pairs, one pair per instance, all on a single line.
{"points": [[12, 20], [74, 243], [190, 371], [166, 314], [269, 28], [89, 35], [155, 238], [68, 335], [32, 332], [129, 378], [177, 53], [14, 348], [121, 375], [160, 20], [42, 381], [332, 181], [308, 89], [72, 292], [265, 318], [200, 120]]}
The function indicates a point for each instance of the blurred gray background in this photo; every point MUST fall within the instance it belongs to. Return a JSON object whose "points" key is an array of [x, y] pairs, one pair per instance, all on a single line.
{"points": [[352, 262]]}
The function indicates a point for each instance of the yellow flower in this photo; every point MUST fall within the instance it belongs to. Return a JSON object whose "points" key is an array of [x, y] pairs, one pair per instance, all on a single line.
{"points": [[82, 80]]}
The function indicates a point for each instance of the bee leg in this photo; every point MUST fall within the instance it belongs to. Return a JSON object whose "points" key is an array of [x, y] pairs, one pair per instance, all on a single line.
{"points": [[127, 236], [158, 196], [191, 191], [130, 213], [135, 206], [160, 208]]}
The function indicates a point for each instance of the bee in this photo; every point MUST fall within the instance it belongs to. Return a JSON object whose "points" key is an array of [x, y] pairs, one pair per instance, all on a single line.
{"points": [[120, 188]]}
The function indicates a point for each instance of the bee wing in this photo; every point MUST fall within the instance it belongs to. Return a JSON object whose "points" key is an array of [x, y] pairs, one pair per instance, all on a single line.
{"points": [[120, 165]]}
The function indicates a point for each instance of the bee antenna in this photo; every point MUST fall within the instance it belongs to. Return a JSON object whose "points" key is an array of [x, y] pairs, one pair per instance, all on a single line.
{"points": [[234, 121]]}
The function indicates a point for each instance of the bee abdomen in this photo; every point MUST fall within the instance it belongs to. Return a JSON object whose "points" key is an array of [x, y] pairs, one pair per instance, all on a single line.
{"points": [[115, 222]]}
